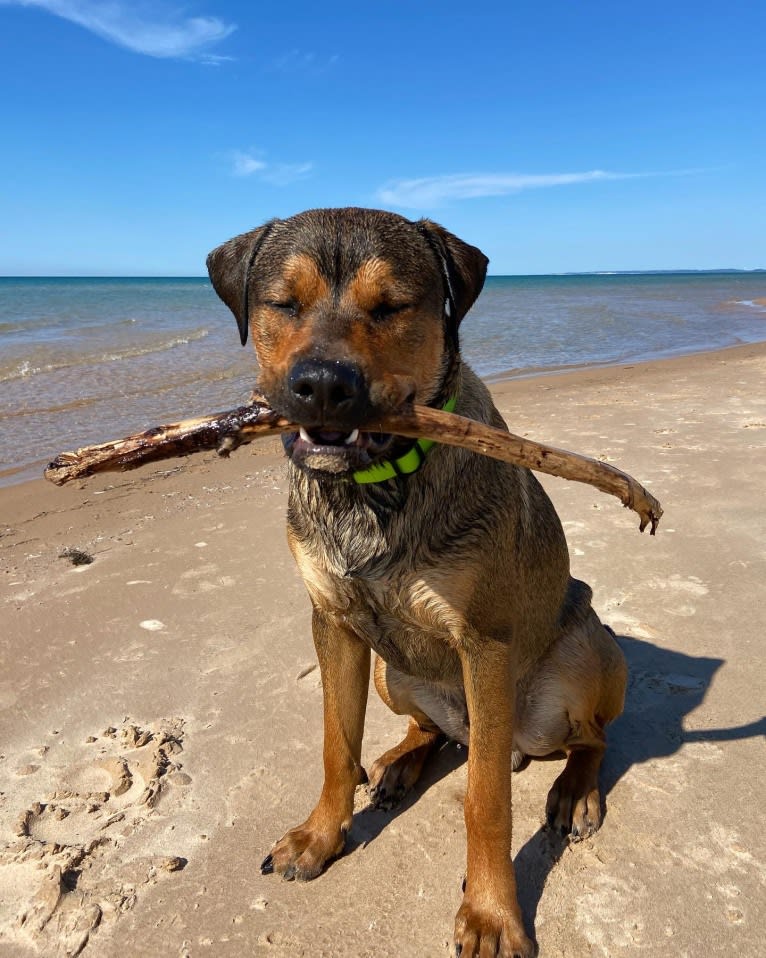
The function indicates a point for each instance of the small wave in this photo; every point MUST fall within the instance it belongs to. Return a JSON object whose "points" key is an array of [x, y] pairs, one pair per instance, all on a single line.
{"points": [[154, 348], [757, 304], [92, 328], [67, 327], [12, 327], [21, 371], [25, 369], [55, 409]]}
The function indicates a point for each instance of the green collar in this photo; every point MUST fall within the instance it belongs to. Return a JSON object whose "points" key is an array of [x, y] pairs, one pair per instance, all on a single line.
{"points": [[405, 465]]}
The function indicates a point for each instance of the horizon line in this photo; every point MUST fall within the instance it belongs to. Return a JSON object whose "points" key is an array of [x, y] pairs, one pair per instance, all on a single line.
{"points": [[586, 272]]}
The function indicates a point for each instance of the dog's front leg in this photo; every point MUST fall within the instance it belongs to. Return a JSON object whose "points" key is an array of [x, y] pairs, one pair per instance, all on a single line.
{"points": [[489, 921], [344, 662]]}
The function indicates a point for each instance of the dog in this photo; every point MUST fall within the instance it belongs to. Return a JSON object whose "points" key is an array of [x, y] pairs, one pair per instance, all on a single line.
{"points": [[451, 567]]}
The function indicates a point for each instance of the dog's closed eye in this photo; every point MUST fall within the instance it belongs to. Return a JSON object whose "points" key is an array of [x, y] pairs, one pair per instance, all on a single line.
{"points": [[289, 306], [385, 310]]}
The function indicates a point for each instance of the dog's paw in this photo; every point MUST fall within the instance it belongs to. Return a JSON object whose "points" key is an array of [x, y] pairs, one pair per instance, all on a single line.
{"points": [[303, 852], [573, 806], [490, 932], [389, 783], [390, 780], [394, 773]]}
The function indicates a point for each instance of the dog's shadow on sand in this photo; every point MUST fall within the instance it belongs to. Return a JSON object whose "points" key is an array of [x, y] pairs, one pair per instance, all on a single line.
{"points": [[370, 822], [664, 687]]}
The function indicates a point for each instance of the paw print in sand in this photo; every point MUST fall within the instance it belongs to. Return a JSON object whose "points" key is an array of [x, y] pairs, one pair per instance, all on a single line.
{"points": [[63, 852]]}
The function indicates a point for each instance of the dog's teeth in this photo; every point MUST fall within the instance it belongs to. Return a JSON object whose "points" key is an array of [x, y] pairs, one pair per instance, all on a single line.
{"points": [[305, 436], [351, 437]]}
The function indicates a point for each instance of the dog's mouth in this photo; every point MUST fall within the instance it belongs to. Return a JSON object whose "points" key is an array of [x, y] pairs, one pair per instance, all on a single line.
{"points": [[333, 450]]}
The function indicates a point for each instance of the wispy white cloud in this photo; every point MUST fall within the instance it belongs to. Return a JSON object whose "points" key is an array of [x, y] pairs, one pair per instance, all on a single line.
{"points": [[432, 191], [249, 163], [302, 61], [282, 174], [245, 164], [155, 29]]}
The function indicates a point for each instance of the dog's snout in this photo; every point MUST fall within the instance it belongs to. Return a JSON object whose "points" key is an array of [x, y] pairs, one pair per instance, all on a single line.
{"points": [[327, 392]]}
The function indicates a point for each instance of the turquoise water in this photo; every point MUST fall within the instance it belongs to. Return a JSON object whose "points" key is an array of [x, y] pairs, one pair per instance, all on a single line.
{"points": [[541, 322], [84, 360]]}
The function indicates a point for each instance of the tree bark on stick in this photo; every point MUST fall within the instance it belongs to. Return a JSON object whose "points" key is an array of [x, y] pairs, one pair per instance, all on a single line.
{"points": [[227, 430], [444, 427], [223, 431]]}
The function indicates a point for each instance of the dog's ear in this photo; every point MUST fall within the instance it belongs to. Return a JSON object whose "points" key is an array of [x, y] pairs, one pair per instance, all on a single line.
{"points": [[229, 268], [464, 266]]}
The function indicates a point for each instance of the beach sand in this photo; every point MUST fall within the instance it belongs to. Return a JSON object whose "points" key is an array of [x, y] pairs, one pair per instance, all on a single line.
{"points": [[160, 707]]}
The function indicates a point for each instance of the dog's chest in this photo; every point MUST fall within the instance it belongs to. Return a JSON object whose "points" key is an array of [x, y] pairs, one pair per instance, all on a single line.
{"points": [[415, 621]]}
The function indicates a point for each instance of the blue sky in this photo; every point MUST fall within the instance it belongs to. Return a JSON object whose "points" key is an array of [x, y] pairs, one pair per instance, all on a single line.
{"points": [[557, 136]]}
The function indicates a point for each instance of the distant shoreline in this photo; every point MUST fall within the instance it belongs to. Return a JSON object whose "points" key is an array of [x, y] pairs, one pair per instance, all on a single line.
{"points": [[601, 273], [512, 375]]}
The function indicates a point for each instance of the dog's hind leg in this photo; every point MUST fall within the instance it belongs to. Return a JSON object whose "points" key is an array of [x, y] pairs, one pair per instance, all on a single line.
{"points": [[574, 802], [396, 771], [578, 688], [393, 774]]}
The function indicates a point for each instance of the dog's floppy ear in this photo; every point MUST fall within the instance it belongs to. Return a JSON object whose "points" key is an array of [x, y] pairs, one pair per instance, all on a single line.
{"points": [[464, 266], [229, 268]]}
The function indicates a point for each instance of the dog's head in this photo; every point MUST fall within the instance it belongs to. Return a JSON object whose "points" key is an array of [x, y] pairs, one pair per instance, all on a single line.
{"points": [[354, 313]]}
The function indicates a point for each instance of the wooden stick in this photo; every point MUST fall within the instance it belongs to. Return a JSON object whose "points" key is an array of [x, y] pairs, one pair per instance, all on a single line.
{"points": [[444, 427], [225, 431]]}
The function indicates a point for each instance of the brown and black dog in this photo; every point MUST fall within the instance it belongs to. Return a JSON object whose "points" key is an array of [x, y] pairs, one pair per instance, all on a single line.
{"points": [[451, 567]]}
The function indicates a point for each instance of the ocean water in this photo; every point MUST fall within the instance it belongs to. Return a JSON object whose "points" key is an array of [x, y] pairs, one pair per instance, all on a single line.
{"points": [[87, 360]]}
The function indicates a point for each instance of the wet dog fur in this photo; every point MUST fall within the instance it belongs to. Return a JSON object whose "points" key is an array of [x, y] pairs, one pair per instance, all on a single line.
{"points": [[455, 576]]}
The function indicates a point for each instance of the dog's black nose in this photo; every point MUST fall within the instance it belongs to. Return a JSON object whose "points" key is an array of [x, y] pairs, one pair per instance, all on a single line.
{"points": [[324, 392]]}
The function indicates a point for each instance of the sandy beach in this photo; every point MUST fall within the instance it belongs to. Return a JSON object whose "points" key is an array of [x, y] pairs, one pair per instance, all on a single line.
{"points": [[160, 708]]}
